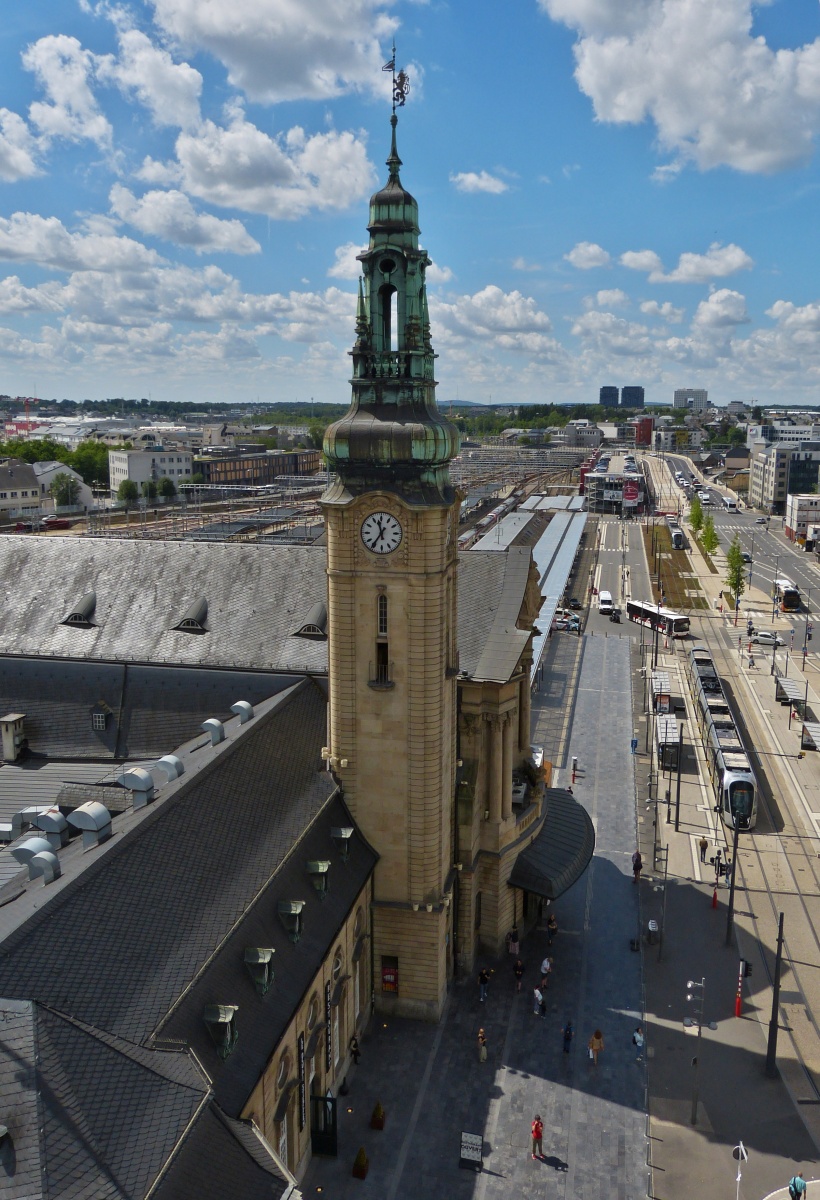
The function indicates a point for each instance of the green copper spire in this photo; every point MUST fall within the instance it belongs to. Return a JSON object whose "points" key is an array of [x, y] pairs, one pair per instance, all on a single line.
{"points": [[393, 435]]}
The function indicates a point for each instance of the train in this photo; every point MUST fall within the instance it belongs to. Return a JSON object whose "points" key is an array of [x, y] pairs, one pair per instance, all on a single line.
{"points": [[727, 760]]}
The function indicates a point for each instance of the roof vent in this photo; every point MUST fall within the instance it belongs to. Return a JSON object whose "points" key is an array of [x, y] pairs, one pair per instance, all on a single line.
{"points": [[216, 729], [341, 840], [243, 710], [317, 870], [259, 962], [46, 864], [221, 1022], [22, 820], [195, 617], [53, 824], [290, 914], [82, 613], [28, 850], [94, 820], [141, 785], [315, 624], [171, 765]]}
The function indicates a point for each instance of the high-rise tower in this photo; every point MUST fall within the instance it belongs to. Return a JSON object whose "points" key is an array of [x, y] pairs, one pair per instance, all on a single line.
{"points": [[392, 517]]}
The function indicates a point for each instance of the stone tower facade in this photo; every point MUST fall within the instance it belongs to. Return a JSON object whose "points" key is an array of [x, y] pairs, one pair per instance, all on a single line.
{"points": [[391, 517]]}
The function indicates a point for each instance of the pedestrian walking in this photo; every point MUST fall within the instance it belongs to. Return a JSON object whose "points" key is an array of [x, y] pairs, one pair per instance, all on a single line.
{"points": [[637, 866], [546, 967], [482, 1046], [637, 1042], [518, 972], [797, 1186], [704, 846], [634, 743], [568, 1034], [512, 941], [539, 1004], [483, 984], [354, 1050], [595, 1045], [537, 1135], [552, 928]]}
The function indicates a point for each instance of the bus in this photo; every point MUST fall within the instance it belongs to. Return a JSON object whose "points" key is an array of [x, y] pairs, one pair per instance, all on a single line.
{"points": [[787, 594], [729, 504], [605, 602], [670, 623]]}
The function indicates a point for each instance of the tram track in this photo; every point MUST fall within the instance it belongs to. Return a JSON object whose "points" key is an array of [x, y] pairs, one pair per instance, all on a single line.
{"points": [[769, 864]]}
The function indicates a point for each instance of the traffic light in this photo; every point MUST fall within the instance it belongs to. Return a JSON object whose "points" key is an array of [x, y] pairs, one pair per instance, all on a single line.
{"points": [[747, 969]]}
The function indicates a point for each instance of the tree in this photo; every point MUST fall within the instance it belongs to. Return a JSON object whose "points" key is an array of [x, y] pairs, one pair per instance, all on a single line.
{"points": [[316, 433], [736, 570], [127, 492], [696, 515], [64, 490], [166, 488], [149, 489], [709, 538], [737, 437], [198, 478], [90, 460]]}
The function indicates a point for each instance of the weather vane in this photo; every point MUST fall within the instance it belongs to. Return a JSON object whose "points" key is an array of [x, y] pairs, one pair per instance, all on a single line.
{"points": [[401, 83]]}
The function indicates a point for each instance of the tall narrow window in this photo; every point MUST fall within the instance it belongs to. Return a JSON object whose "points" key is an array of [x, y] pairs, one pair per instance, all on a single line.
{"points": [[382, 663], [389, 305], [381, 607]]}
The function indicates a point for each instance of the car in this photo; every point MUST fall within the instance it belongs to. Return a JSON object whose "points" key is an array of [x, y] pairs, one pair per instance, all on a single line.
{"points": [[57, 523], [766, 638], [761, 520], [574, 603], [747, 558]]}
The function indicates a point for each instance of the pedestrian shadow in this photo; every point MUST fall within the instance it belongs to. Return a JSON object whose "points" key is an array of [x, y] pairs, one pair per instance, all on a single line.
{"points": [[552, 1160]]}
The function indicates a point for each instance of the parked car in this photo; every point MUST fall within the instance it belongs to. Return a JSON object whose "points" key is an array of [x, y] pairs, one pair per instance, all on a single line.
{"points": [[574, 603], [766, 638], [761, 520]]}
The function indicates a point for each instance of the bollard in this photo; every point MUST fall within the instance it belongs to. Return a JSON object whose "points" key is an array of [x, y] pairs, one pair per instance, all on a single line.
{"points": [[574, 766], [714, 897]]}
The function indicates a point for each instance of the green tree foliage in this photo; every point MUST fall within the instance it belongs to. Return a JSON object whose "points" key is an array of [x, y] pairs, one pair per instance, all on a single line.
{"points": [[709, 538], [198, 478], [696, 515], [64, 490], [166, 488], [737, 437], [90, 460], [127, 491], [316, 433], [36, 450], [149, 489], [735, 570]]}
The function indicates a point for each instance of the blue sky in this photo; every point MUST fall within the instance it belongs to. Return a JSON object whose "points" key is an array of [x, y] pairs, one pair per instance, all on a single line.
{"points": [[612, 192]]}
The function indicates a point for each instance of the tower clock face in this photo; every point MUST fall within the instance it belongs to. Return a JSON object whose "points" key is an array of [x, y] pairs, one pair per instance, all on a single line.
{"points": [[381, 533]]}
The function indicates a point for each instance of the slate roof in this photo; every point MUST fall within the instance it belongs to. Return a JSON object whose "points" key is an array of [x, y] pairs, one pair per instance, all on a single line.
{"points": [[561, 850], [117, 945], [257, 595], [500, 643], [221, 1159]]}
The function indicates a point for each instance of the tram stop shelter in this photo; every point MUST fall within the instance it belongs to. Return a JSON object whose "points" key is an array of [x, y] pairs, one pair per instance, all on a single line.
{"points": [[661, 692], [667, 741], [790, 691], [810, 735]]}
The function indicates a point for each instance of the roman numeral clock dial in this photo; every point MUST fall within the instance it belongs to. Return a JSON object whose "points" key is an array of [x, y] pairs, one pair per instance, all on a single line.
{"points": [[381, 533]]}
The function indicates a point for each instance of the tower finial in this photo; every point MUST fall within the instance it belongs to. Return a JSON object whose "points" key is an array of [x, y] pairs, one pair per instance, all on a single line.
{"points": [[401, 84]]}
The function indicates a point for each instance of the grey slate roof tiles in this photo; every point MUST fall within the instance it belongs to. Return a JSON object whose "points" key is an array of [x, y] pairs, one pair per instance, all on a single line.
{"points": [[219, 1161]]}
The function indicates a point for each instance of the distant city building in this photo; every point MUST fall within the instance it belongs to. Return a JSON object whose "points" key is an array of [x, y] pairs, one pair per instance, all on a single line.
{"points": [[782, 433], [644, 427], [47, 472], [696, 399], [736, 407], [144, 466], [234, 468], [19, 489], [780, 468], [801, 511], [632, 397], [608, 397]]}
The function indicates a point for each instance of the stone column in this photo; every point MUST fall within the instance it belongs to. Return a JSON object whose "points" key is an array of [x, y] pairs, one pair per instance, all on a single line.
{"points": [[507, 766], [495, 784], [525, 713]]}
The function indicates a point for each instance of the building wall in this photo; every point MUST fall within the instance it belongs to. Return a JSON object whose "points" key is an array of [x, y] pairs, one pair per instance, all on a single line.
{"points": [[255, 470], [141, 466], [284, 1064], [801, 511], [608, 397], [632, 396], [697, 399]]}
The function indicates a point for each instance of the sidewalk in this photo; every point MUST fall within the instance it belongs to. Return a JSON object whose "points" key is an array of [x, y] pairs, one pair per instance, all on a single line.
{"points": [[429, 1079]]}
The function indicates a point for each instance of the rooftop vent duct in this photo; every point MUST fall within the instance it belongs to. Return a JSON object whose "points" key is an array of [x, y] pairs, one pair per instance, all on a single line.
{"points": [[28, 850], [141, 785], [46, 864], [259, 962], [221, 1022], [290, 914], [23, 819], [94, 820], [216, 729], [341, 840], [243, 710], [171, 765], [317, 870], [82, 613], [315, 624], [195, 617], [53, 824]]}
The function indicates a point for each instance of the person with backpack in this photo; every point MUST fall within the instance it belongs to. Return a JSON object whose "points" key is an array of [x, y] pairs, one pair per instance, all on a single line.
{"points": [[797, 1186]]}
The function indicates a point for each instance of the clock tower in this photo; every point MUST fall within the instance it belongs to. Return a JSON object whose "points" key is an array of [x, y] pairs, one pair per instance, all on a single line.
{"points": [[391, 516]]}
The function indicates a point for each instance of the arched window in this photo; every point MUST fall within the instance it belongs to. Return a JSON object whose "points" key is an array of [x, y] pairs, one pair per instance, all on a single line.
{"points": [[390, 324], [381, 614]]}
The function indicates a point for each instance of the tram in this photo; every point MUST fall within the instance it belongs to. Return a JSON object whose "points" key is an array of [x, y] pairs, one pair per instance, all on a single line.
{"points": [[727, 760]]}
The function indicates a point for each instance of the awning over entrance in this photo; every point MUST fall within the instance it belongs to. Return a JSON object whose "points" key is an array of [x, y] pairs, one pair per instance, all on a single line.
{"points": [[560, 853]]}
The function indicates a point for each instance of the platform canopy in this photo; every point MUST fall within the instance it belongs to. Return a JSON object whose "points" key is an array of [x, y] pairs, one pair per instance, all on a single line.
{"points": [[560, 852]]}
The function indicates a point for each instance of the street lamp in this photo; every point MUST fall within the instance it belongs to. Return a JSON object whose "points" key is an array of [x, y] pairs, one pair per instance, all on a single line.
{"points": [[689, 1022]]}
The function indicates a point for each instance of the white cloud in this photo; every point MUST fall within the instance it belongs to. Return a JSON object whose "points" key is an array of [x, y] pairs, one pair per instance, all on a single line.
{"points": [[240, 166], [169, 90], [17, 148], [345, 264], [718, 262], [643, 260], [280, 50], [437, 274], [521, 264], [171, 216], [16, 298], [796, 318], [666, 311], [586, 255], [481, 181], [717, 94], [723, 308], [611, 335], [63, 70], [505, 321], [28, 237], [153, 171], [611, 298]]}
